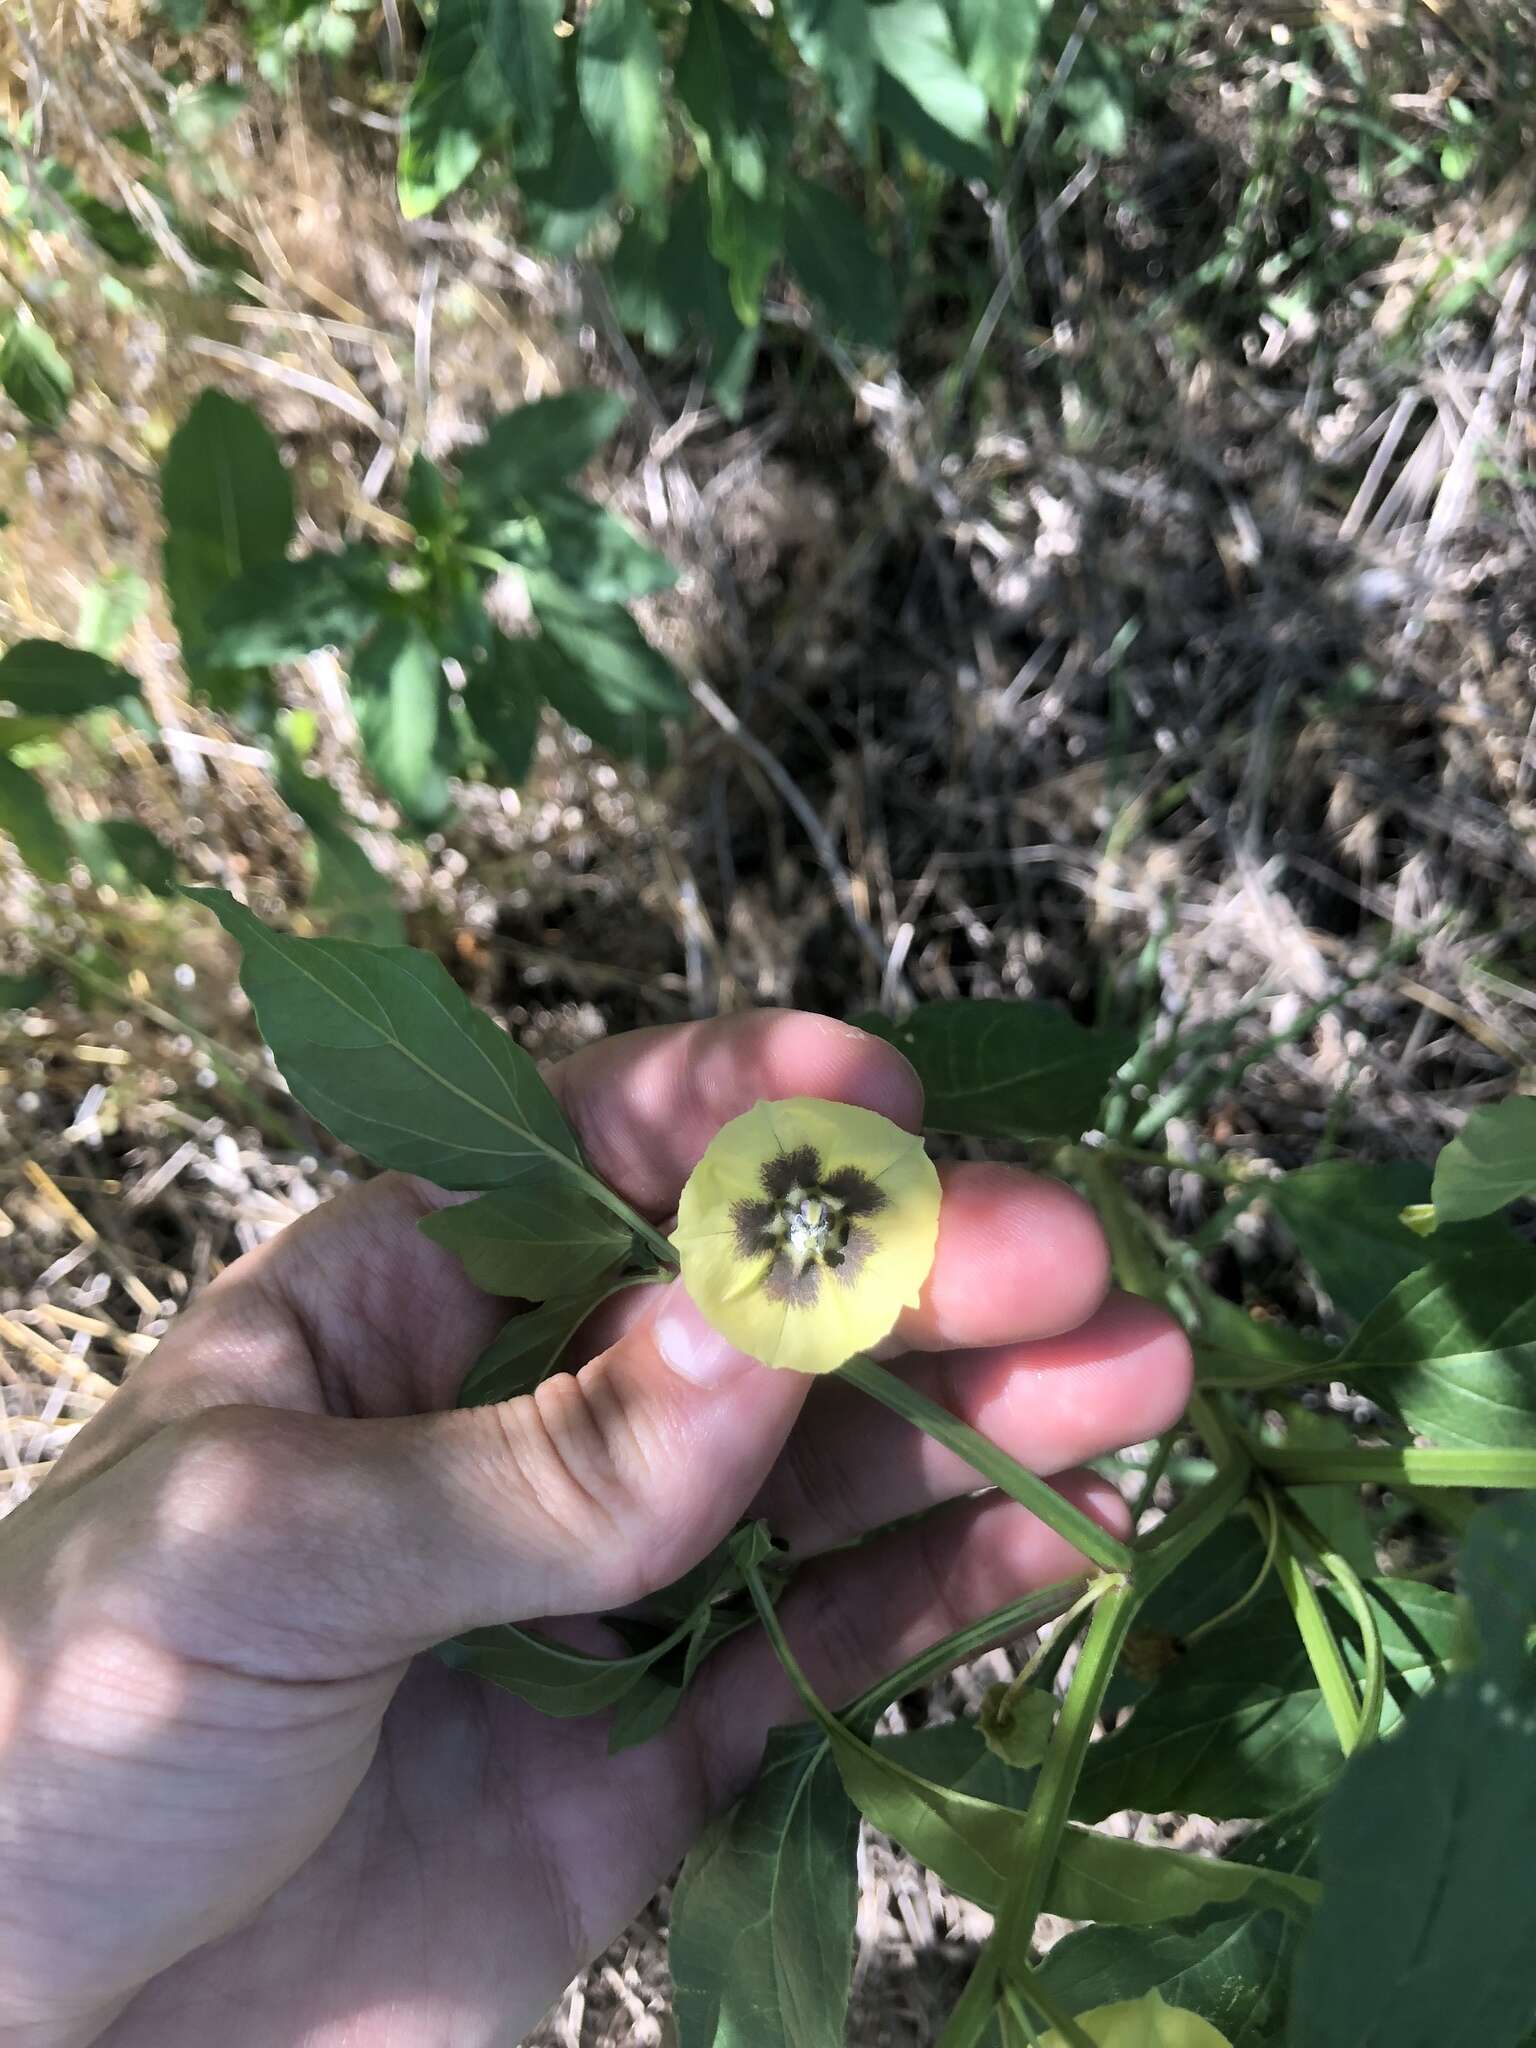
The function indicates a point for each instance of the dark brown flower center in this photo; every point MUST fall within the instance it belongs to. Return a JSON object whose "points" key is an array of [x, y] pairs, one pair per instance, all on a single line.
{"points": [[809, 1220]]}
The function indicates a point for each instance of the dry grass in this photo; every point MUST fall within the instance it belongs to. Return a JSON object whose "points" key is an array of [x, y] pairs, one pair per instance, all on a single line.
{"points": [[1193, 628]]}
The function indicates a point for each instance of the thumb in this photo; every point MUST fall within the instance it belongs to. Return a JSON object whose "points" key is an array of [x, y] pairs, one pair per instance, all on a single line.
{"points": [[323, 1546]]}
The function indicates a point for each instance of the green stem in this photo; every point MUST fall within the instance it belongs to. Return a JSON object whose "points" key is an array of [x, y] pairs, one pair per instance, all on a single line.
{"points": [[1266, 1509], [1156, 1467], [995, 1465], [1373, 1692], [1321, 1644], [600, 1191], [1410, 1466], [1072, 2035], [965, 1643]]}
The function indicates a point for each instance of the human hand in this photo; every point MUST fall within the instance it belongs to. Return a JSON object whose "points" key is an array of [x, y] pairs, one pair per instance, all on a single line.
{"points": [[235, 1798]]}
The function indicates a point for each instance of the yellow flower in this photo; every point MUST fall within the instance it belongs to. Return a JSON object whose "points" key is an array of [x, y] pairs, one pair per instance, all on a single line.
{"points": [[806, 1228], [1144, 2023]]}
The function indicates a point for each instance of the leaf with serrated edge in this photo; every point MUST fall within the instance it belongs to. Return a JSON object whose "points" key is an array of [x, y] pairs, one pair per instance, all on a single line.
{"points": [[381, 1047]]}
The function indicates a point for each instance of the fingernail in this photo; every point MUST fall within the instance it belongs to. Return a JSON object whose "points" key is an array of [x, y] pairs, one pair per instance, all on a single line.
{"points": [[692, 1347]]}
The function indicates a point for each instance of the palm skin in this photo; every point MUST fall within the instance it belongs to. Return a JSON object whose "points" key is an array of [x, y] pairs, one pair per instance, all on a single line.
{"points": [[236, 1798]]}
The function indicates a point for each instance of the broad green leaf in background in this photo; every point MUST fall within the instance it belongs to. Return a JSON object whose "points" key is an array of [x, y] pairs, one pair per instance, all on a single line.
{"points": [[1230, 1966], [285, 610], [1237, 1727], [955, 1754], [348, 897], [228, 509], [398, 695], [502, 697], [538, 1236], [1490, 1163], [762, 1919], [619, 67], [46, 679], [426, 497], [830, 251], [924, 95], [457, 109], [833, 36], [1428, 1849], [1006, 1070], [122, 854], [1225, 1568], [27, 815], [535, 447], [738, 107], [1346, 1219], [626, 733], [1097, 98], [1233, 1348], [380, 1046], [999, 44], [521, 35], [565, 198], [681, 289], [585, 547], [1452, 1352], [614, 656], [1130, 1884], [33, 375], [109, 610]]}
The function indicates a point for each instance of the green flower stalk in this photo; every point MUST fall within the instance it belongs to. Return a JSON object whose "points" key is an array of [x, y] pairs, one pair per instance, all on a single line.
{"points": [[805, 1230]]}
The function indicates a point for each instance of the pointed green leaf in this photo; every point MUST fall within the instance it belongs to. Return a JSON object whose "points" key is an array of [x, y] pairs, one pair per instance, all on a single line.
{"points": [[536, 447], [565, 198], [426, 497], [738, 108], [529, 1347], [681, 290], [47, 679], [348, 897], [1006, 1070], [619, 67], [381, 1047], [398, 694], [627, 734], [830, 251], [1346, 1219], [285, 610], [33, 375], [762, 1919], [1452, 1351], [1428, 1849], [584, 547], [603, 641], [502, 696], [1491, 1163], [833, 36], [228, 509], [539, 1235], [27, 816], [457, 109], [923, 94], [1231, 1967], [1237, 1726], [999, 44], [521, 34]]}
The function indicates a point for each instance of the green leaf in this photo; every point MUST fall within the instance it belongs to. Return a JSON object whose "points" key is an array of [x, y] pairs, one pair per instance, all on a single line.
{"points": [[502, 696], [381, 1047], [120, 854], [539, 1236], [565, 198], [606, 645], [228, 509], [1233, 1968], [457, 109], [1346, 1220], [1237, 1726], [923, 94], [398, 694], [833, 36], [1006, 1070], [955, 1754], [619, 68], [1428, 1846], [1490, 1163], [738, 109], [109, 610], [33, 375], [522, 38], [27, 815], [1226, 1566], [830, 251], [585, 547], [24, 991], [426, 498], [1452, 1352], [528, 1348], [1236, 1349], [284, 610], [536, 447], [1097, 99], [762, 1919], [999, 44], [47, 679], [1127, 1884], [682, 289], [629, 735], [1017, 1729], [348, 897]]}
